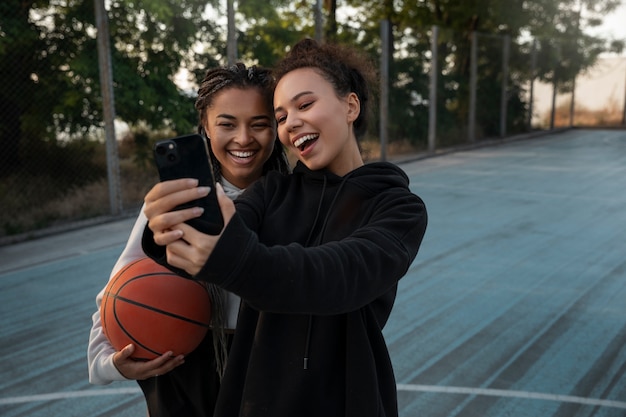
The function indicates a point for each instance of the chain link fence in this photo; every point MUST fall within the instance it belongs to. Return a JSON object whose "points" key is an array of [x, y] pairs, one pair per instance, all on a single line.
{"points": [[445, 89], [51, 175], [472, 87], [54, 180], [599, 98]]}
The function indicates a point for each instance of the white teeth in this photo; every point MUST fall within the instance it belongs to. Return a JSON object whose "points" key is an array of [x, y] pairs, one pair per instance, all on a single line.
{"points": [[304, 139], [242, 154]]}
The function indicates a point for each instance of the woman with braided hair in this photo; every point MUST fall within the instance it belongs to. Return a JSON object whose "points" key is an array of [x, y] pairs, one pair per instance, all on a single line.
{"points": [[236, 118]]}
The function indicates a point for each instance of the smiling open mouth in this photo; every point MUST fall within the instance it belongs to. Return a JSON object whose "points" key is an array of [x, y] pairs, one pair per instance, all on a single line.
{"points": [[305, 141], [242, 154]]}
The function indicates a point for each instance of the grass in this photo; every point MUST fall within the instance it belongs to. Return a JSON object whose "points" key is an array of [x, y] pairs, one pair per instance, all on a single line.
{"points": [[609, 116], [35, 203]]}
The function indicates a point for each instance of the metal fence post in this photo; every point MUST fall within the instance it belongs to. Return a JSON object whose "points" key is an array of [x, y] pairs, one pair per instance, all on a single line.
{"points": [[384, 87], [572, 103], [506, 49], [555, 82], [624, 108], [231, 42], [432, 98], [533, 70], [108, 106], [471, 126], [319, 21]]}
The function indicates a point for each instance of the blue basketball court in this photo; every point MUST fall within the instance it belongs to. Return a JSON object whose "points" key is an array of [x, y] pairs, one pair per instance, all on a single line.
{"points": [[515, 305]]}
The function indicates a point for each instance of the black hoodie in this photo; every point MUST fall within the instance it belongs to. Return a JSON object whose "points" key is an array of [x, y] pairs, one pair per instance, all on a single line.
{"points": [[316, 259]]}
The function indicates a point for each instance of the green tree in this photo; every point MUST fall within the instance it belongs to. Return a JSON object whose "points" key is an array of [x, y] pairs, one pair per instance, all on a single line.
{"points": [[267, 28], [565, 49], [153, 39], [50, 72], [19, 42], [552, 22]]}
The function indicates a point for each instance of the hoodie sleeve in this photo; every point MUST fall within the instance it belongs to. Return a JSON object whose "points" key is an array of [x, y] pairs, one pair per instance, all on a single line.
{"points": [[100, 351], [332, 278]]}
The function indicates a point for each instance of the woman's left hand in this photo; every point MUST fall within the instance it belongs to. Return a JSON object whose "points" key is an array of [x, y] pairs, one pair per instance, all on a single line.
{"points": [[192, 250]]}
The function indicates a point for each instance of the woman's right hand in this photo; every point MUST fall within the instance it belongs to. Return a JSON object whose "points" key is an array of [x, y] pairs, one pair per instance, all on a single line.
{"points": [[134, 369], [161, 201]]}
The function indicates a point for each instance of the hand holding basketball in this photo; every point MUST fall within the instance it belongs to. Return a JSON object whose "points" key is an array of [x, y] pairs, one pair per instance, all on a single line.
{"points": [[139, 370]]}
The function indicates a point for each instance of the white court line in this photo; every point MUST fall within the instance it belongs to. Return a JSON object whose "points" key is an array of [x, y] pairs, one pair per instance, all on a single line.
{"points": [[515, 394], [70, 394], [401, 387]]}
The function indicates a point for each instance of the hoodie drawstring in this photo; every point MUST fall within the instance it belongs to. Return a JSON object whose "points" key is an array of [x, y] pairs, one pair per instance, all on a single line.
{"points": [[307, 345]]}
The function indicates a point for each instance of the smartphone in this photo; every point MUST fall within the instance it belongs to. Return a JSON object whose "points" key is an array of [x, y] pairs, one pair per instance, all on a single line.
{"points": [[188, 157]]}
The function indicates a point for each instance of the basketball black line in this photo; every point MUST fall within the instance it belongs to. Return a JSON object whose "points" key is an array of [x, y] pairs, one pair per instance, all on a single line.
{"points": [[112, 294], [111, 282], [121, 272], [118, 275], [105, 299], [165, 313], [132, 338], [115, 296], [108, 294]]}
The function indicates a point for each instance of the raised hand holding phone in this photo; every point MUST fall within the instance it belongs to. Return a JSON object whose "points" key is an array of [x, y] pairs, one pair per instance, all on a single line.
{"points": [[187, 157], [191, 249]]}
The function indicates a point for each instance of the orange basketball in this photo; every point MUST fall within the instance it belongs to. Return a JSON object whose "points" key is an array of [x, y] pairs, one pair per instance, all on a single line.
{"points": [[150, 306]]}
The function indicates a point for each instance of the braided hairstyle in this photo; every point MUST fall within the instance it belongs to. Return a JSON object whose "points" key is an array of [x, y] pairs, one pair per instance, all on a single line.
{"points": [[343, 67], [216, 80], [242, 77]]}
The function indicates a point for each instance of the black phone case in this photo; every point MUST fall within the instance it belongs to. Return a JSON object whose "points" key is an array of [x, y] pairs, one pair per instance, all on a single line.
{"points": [[187, 157]]}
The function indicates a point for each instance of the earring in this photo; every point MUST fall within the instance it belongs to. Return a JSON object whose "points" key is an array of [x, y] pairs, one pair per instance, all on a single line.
{"points": [[204, 134]]}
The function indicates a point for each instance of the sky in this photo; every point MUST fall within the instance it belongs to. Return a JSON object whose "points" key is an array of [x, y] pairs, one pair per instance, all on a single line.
{"points": [[614, 24], [605, 84]]}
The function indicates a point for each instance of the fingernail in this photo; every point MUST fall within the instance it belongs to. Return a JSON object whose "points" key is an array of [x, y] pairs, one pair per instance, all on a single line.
{"points": [[198, 211], [204, 190], [192, 182]]}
